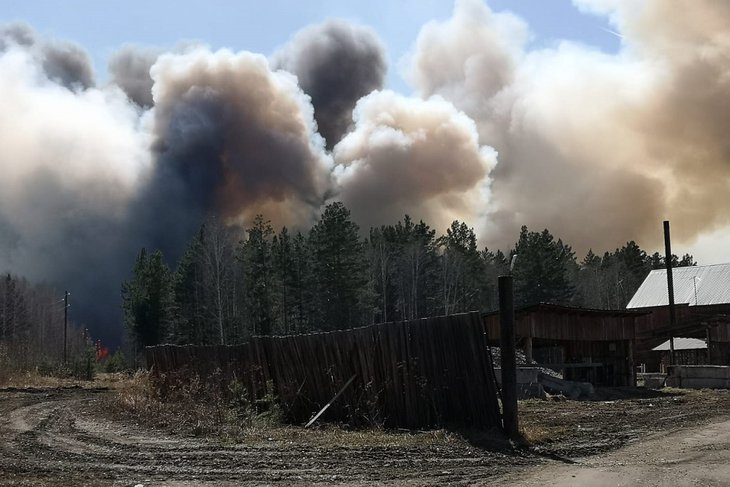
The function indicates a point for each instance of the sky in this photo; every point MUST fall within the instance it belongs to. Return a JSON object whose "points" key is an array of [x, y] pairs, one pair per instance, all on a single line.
{"points": [[102, 27]]}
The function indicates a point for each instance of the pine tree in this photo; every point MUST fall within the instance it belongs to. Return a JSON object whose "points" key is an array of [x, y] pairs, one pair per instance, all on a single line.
{"points": [[190, 320], [283, 282], [462, 271], [589, 288], [255, 256], [340, 270], [495, 264], [301, 282], [148, 299], [543, 269]]}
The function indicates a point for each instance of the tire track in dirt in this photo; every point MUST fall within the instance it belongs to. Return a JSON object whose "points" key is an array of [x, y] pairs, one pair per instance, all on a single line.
{"points": [[59, 437]]}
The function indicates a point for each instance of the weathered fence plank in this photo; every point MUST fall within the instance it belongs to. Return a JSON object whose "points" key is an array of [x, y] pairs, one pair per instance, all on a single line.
{"points": [[414, 374]]}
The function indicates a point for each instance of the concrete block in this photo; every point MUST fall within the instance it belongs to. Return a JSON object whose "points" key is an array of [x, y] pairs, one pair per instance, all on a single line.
{"points": [[699, 376], [528, 385], [652, 380]]}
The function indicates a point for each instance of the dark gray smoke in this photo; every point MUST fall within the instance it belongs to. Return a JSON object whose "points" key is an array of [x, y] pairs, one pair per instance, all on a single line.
{"points": [[63, 62], [337, 63], [129, 68], [233, 138]]}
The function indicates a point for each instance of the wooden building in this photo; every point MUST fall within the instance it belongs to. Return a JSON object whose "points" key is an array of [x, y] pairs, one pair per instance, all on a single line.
{"points": [[702, 310], [687, 351], [589, 345]]}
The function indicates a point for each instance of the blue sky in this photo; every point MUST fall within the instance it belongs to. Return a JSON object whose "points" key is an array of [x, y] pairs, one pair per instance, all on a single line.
{"points": [[102, 26]]}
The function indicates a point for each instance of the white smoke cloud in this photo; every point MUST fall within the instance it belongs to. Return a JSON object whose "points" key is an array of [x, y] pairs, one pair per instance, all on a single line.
{"points": [[420, 157], [57, 143], [597, 147]]}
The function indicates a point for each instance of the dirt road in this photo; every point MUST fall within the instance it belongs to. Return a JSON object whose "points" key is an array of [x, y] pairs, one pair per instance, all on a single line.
{"points": [[60, 437], [67, 436], [691, 457]]}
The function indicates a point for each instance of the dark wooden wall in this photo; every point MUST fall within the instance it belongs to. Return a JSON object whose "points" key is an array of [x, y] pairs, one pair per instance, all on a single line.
{"points": [[568, 324], [414, 374]]}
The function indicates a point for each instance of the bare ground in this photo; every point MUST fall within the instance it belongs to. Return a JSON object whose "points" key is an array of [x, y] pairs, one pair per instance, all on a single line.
{"points": [[61, 437], [69, 436]]}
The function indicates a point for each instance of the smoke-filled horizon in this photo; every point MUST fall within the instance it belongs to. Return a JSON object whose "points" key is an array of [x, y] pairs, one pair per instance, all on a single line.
{"points": [[599, 148]]}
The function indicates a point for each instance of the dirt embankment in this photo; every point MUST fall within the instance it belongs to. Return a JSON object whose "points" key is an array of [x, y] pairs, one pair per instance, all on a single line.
{"points": [[69, 437]]}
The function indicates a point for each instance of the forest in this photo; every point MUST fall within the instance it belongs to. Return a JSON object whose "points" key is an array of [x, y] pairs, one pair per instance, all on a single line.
{"points": [[233, 283], [32, 328]]}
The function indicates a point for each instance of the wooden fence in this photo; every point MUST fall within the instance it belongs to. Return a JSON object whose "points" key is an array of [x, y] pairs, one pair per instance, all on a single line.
{"points": [[412, 374]]}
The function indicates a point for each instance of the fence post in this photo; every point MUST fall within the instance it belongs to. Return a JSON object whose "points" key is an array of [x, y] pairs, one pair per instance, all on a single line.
{"points": [[509, 360]]}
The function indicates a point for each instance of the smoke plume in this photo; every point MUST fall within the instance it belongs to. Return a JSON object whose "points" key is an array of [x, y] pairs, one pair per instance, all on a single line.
{"points": [[597, 147], [406, 155], [64, 62], [235, 138], [337, 63], [129, 69], [71, 163]]}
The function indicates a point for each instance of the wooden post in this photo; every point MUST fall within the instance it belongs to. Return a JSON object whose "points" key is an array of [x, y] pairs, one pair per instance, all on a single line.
{"points": [[509, 359], [670, 289], [65, 324], [632, 365], [528, 349]]}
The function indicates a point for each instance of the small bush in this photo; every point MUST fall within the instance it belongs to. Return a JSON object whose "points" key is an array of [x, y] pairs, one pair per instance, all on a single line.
{"points": [[116, 363]]}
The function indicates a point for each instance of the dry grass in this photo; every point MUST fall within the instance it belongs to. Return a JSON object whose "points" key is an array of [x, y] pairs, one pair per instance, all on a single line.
{"points": [[538, 434], [195, 408], [34, 379], [189, 407]]}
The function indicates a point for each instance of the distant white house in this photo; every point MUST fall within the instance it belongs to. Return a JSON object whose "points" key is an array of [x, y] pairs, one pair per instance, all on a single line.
{"points": [[694, 286], [702, 324]]}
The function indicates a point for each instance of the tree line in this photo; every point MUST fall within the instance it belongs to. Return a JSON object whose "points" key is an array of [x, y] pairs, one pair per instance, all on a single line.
{"points": [[232, 283], [31, 325]]}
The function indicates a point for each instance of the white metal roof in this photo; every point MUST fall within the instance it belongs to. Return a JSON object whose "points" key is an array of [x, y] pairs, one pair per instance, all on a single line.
{"points": [[695, 286], [682, 344]]}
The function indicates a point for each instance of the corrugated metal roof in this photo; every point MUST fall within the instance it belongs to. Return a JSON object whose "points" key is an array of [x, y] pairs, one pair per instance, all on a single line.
{"points": [[695, 286], [682, 344]]}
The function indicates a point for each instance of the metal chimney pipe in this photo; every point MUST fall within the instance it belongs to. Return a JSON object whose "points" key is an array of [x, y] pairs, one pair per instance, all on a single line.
{"points": [[670, 288]]}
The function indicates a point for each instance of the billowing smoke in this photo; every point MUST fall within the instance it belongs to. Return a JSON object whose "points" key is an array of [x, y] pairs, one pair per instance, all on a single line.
{"points": [[596, 147], [599, 148], [129, 69], [235, 138], [407, 155], [337, 63], [64, 62], [71, 163]]}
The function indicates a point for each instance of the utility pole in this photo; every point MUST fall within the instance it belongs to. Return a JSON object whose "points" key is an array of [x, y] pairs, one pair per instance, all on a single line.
{"points": [[508, 356], [65, 324], [670, 287]]}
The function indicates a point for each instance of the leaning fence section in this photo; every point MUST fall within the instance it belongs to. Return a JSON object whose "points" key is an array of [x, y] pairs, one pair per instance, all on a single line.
{"points": [[410, 374]]}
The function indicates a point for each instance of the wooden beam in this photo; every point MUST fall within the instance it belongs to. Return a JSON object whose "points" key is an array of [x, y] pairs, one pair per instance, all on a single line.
{"points": [[326, 406]]}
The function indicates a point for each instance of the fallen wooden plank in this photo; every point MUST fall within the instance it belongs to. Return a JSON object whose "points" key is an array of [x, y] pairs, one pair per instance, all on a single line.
{"points": [[347, 384]]}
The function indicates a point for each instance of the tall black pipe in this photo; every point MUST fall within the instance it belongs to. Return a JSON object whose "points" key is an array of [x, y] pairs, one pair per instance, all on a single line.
{"points": [[670, 288]]}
